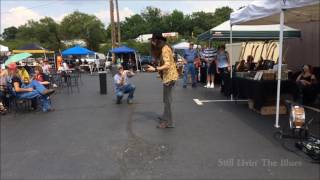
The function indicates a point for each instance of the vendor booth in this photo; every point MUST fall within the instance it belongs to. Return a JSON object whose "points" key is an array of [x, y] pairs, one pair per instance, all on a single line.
{"points": [[80, 51], [3, 49], [4, 52], [260, 39], [35, 49], [248, 33], [76, 50], [126, 56], [184, 45], [263, 12]]}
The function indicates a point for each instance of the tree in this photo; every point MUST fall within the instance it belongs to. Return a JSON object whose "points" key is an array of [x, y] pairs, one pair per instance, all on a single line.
{"points": [[48, 33], [134, 26], [45, 31], [222, 14], [9, 33], [175, 22], [83, 26], [153, 17]]}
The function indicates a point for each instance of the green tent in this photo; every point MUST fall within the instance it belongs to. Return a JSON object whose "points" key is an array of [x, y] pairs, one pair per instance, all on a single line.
{"points": [[248, 32]]}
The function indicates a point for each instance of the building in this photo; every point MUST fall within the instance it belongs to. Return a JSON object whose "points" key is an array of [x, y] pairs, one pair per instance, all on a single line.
{"points": [[144, 38]]}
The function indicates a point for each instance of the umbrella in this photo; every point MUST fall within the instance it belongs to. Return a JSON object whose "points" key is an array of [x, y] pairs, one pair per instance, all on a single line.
{"points": [[16, 58]]}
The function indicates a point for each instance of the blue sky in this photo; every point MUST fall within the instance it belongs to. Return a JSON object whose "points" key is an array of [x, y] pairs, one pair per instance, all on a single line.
{"points": [[17, 12]]}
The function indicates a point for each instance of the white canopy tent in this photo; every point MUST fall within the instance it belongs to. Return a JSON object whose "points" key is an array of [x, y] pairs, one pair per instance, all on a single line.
{"points": [[3, 48], [183, 45], [248, 32], [272, 12]]}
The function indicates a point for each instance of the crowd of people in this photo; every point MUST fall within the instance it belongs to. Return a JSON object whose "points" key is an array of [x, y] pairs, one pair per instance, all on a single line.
{"points": [[206, 63], [22, 82]]}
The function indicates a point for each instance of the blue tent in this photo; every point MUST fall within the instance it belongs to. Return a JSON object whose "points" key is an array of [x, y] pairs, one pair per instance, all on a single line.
{"points": [[123, 50], [77, 50]]}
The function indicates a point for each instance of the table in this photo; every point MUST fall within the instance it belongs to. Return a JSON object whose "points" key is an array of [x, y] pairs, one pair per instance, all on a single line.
{"points": [[259, 91]]}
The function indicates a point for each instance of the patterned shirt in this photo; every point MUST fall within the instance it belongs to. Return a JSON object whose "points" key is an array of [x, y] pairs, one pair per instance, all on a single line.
{"points": [[170, 74], [209, 54]]}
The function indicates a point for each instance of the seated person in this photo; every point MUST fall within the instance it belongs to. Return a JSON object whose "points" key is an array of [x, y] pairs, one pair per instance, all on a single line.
{"points": [[23, 73], [40, 76], [122, 86], [29, 90], [306, 82], [241, 66], [250, 65], [3, 84], [260, 65]]}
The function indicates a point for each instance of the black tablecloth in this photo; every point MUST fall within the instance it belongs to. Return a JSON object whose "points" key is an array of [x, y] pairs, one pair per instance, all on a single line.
{"points": [[259, 91]]}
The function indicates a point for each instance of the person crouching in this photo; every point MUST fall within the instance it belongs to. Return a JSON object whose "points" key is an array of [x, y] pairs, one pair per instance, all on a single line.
{"points": [[122, 85]]}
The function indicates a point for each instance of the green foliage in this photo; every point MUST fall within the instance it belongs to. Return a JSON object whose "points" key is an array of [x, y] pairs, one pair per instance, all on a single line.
{"points": [[83, 26], [14, 44], [142, 48], [9, 33]]}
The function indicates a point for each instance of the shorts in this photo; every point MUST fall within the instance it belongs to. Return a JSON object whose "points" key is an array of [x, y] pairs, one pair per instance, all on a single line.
{"points": [[223, 70], [211, 68]]}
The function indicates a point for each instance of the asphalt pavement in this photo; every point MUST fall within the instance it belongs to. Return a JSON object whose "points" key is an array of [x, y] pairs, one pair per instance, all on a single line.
{"points": [[88, 136]]}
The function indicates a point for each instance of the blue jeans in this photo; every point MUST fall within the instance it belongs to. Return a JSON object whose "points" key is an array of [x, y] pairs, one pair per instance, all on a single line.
{"points": [[35, 85], [189, 68], [36, 93], [127, 89], [1, 96]]}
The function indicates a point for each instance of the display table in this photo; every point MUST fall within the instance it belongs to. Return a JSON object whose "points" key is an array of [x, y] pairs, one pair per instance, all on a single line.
{"points": [[261, 92]]}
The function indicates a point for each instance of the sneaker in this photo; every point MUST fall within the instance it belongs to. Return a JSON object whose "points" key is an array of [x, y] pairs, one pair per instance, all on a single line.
{"points": [[118, 100], [54, 85], [130, 101], [48, 92], [207, 86], [212, 85]]}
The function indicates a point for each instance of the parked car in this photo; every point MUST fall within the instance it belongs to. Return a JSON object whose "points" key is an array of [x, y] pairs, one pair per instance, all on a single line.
{"points": [[146, 60]]}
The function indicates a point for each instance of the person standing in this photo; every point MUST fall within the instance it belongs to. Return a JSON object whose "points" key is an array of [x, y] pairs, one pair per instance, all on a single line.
{"points": [[168, 73], [190, 56], [46, 67], [223, 65], [122, 85], [208, 55]]}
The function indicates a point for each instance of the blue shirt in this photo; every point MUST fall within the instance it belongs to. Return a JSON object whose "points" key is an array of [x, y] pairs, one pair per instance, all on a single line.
{"points": [[190, 55], [222, 60]]}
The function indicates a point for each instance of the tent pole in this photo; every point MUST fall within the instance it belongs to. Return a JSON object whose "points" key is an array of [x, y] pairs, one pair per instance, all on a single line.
{"points": [[279, 68], [137, 66], [230, 60], [54, 60]]}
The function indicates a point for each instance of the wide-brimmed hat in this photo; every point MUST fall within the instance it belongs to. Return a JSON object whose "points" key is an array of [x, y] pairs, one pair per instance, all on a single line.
{"points": [[158, 36]]}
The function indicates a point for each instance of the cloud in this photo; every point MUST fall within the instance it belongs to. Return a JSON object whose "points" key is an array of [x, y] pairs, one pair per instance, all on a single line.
{"points": [[18, 16], [59, 18], [104, 16], [211, 6]]}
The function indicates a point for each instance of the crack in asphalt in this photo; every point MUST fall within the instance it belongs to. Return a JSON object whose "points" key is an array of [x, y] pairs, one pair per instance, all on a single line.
{"points": [[138, 155]]}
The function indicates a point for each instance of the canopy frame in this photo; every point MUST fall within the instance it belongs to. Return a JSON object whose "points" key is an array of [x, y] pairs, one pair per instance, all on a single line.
{"points": [[294, 5]]}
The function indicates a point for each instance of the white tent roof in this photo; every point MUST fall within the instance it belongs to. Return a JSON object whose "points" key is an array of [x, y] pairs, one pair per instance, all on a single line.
{"points": [[183, 45], [272, 27], [267, 12], [3, 48]]}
